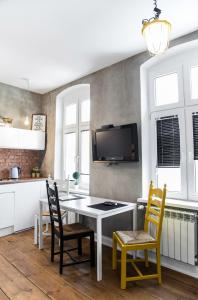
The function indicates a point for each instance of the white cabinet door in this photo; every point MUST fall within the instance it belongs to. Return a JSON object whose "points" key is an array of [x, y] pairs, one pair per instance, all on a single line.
{"points": [[31, 139], [7, 210], [26, 204], [15, 138], [9, 138], [43, 189]]}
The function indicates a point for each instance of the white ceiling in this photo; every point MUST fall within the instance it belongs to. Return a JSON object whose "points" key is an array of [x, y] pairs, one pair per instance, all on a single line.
{"points": [[53, 42]]}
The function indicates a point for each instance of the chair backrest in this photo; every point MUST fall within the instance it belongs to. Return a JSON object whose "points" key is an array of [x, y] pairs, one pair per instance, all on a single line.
{"points": [[54, 207], [155, 210]]}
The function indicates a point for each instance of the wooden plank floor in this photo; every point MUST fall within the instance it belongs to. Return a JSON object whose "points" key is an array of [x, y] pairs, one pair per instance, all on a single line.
{"points": [[27, 274]]}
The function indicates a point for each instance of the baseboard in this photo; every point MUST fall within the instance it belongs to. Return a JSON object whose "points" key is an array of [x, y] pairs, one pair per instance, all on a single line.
{"points": [[176, 265], [165, 261], [106, 241], [6, 231]]}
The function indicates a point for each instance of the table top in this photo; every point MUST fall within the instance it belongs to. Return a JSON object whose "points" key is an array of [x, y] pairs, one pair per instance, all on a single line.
{"points": [[81, 206]]}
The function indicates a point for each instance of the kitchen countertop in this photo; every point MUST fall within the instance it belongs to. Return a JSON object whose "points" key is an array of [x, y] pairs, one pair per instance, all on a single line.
{"points": [[21, 180], [24, 180]]}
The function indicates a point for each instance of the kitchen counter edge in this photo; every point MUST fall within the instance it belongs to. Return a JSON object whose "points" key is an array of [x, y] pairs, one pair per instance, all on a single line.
{"points": [[22, 180]]}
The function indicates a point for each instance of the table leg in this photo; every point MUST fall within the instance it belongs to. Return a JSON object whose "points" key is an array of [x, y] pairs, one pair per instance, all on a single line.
{"points": [[135, 226], [99, 249], [135, 218], [76, 218], [40, 225]]}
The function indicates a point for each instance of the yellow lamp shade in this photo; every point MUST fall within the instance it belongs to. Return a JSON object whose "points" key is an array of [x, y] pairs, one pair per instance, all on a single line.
{"points": [[156, 33]]}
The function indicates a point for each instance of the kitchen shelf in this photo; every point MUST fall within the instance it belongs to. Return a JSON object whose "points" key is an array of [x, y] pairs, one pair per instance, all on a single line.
{"points": [[15, 138]]}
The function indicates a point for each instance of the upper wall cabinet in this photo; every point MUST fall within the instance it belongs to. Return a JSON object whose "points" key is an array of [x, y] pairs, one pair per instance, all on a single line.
{"points": [[14, 138]]}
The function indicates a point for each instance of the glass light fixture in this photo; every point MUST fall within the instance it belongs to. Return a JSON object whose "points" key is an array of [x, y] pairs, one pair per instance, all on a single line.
{"points": [[156, 32]]}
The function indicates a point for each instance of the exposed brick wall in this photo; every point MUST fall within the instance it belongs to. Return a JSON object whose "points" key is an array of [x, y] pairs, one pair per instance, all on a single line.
{"points": [[25, 159]]}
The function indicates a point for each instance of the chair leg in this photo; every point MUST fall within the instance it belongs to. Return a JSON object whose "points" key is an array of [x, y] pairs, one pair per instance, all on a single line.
{"points": [[61, 256], [46, 226], [114, 253], [158, 265], [52, 245], [123, 268], [92, 250], [146, 258], [66, 218], [35, 230], [79, 246]]}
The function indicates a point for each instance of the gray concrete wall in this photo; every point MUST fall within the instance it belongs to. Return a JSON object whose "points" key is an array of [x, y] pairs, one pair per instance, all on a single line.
{"points": [[18, 103], [115, 99]]}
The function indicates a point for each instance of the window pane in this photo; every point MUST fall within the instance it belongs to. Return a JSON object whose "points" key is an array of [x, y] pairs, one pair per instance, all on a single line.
{"points": [[171, 177], [84, 181], [194, 82], [70, 154], [195, 134], [196, 176], [166, 89], [85, 152], [168, 142], [70, 114], [85, 111]]}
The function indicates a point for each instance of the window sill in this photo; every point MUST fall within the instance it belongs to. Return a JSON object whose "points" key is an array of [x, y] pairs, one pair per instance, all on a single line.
{"points": [[79, 191], [185, 204]]}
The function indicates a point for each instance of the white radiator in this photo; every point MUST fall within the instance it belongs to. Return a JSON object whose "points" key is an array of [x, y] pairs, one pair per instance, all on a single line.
{"points": [[179, 235]]}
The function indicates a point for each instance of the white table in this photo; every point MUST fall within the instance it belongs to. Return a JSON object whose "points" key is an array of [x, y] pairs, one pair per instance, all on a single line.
{"points": [[80, 206]]}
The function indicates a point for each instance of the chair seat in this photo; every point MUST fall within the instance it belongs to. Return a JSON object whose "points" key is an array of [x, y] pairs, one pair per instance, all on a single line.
{"points": [[75, 229], [135, 237], [47, 213]]}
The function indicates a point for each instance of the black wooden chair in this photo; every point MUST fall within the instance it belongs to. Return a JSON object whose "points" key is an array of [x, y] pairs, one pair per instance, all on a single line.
{"points": [[74, 231]]}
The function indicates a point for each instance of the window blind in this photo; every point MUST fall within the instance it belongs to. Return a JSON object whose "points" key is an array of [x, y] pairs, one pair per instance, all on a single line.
{"points": [[195, 134], [168, 142]]}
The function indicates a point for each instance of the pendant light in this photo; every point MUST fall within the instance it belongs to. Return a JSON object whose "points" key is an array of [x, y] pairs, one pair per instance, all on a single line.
{"points": [[156, 32]]}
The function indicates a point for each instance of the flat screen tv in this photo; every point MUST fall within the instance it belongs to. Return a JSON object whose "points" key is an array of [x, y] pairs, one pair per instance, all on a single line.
{"points": [[115, 144]]}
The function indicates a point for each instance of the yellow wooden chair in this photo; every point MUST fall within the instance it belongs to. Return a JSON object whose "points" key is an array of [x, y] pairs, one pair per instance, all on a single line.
{"points": [[142, 240]]}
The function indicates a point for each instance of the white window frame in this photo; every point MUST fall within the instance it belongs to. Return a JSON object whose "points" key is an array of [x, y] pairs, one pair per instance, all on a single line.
{"points": [[192, 62], [157, 115], [77, 128], [190, 150], [181, 64], [156, 73]]}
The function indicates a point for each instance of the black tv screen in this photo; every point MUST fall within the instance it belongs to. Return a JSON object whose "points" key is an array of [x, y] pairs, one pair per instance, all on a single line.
{"points": [[119, 144]]}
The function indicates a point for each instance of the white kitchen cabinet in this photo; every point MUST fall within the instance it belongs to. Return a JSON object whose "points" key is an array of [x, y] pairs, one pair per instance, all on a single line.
{"points": [[19, 204], [14, 138], [43, 189], [7, 210], [27, 198]]}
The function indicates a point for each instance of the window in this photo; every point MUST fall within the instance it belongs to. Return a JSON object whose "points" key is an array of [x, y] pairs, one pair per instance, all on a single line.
{"points": [[70, 153], [168, 157], [168, 152], [85, 156], [166, 89], [194, 83], [172, 137], [192, 149], [85, 111], [70, 114], [195, 147], [77, 140]]}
